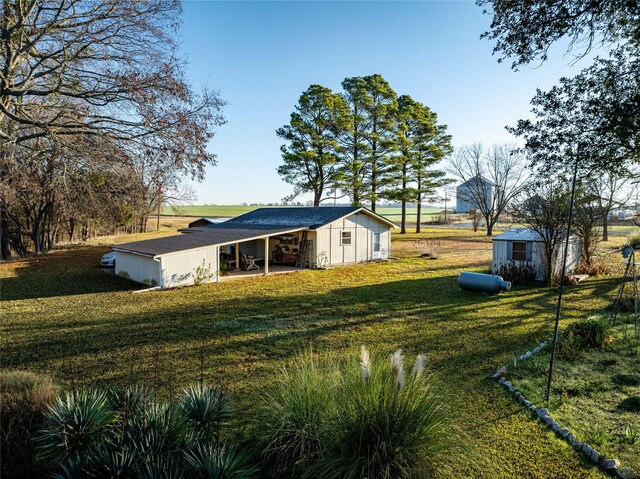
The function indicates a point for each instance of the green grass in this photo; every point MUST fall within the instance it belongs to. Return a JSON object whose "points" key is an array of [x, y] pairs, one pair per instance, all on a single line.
{"points": [[62, 315], [229, 211], [587, 392]]}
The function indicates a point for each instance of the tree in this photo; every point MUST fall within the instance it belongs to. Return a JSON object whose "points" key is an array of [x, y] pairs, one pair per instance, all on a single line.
{"points": [[353, 171], [431, 145], [587, 220], [494, 177], [544, 209], [381, 109], [609, 189], [598, 110], [310, 158]]}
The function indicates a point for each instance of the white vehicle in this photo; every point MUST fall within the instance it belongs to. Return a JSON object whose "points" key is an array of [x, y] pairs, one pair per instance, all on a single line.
{"points": [[108, 260]]}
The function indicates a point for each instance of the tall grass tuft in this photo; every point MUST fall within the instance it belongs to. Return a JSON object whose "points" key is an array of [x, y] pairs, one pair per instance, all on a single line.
{"points": [[24, 398], [361, 419]]}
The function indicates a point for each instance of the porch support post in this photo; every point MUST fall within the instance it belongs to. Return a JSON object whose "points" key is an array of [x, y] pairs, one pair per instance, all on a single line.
{"points": [[266, 255], [237, 248]]}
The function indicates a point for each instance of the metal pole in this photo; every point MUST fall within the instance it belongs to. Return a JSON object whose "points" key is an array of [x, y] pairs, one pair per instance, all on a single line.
{"points": [[561, 287]]}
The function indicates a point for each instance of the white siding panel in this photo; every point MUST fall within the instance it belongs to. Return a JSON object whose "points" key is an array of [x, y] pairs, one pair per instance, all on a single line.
{"points": [[143, 269], [178, 268]]}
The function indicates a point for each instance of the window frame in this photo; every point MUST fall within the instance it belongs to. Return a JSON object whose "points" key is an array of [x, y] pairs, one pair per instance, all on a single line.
{"points": [[342, 238], [377, 243], [524, 253]]}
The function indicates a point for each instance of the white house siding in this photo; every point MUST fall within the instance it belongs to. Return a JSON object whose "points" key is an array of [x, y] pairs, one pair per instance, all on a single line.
{"points": [[178, 268], [143, 269], [362, 228]]}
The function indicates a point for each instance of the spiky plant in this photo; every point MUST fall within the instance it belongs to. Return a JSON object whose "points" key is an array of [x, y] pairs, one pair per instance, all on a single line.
{"points": [[209, 462], [76, 425], [207, 412]]}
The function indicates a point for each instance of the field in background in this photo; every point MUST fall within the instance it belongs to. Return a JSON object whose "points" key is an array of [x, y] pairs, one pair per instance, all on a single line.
{"points": [[230, 211]]}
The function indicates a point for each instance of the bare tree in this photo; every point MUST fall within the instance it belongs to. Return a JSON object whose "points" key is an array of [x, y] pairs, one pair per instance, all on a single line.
{"points": [[493, 177], [543, 208], [588, 219], [610, 189]]}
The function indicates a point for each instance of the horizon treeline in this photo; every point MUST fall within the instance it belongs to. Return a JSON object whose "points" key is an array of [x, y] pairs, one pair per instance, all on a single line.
{"points": [[367, 142]]}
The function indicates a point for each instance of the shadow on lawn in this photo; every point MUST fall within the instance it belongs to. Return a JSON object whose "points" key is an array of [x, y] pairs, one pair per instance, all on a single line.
{"points": [[471, 330], [60, 273]]}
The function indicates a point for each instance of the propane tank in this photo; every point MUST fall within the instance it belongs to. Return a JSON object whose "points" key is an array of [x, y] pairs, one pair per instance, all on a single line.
{"points": [[485, 283]]}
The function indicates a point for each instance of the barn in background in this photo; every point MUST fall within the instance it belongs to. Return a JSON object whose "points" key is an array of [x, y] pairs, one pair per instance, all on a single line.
{"points": [[263, 241], [524, 246]]}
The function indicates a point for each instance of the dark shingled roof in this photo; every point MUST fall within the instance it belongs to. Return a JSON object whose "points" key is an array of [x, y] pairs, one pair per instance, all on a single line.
{"points": [[200, 238], [296, 217]]}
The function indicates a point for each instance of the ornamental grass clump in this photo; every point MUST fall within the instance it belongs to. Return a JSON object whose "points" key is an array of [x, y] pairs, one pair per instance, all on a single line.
{"points": [[126, 432], [368, 418]]}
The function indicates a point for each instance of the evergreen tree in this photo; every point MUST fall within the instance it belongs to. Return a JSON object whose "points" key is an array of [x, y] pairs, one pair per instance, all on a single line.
{"points": [[353, 174], [310, 158], [381, 108]]}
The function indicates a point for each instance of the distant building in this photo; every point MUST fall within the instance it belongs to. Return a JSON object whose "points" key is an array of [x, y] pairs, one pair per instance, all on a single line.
{"points": [[468, 193]]}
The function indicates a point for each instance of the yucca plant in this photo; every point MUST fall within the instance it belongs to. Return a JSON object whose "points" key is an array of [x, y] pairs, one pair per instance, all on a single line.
{"points": [[77, 424], [209, 462], [207, 412]]}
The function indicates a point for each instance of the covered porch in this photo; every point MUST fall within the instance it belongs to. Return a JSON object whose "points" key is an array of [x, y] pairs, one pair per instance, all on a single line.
{"points": [[274, 253]]}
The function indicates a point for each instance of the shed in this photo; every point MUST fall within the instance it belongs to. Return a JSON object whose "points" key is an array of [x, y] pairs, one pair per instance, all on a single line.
{"points": [[526, 246], [270, 239]]}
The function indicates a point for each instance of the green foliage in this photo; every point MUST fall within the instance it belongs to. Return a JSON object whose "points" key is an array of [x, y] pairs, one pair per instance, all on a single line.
{"points": [[627, 379], [596, 435], [587, 333], [125, 432], [631, 434], [24, 397], [365, 419], [634, 240]]}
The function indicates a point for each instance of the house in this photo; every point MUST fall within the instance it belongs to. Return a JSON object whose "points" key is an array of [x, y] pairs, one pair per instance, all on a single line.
{"points": [[469, 194], [266, 240], [526, 246]]}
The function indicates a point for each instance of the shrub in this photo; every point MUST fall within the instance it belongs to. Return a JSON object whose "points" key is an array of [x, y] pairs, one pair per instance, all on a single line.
{"points": [[24, 397], [588, 333], [125, 432], [598, 267], [634, 240], [355, 420], [519, 274]]}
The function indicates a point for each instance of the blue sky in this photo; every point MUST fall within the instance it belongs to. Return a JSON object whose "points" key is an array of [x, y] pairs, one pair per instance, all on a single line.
{"points": [[263, 55]]}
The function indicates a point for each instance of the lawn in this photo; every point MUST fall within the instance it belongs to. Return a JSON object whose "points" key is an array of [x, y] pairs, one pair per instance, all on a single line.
{"points": [[62, 315], [591, 392], [230, 211]]}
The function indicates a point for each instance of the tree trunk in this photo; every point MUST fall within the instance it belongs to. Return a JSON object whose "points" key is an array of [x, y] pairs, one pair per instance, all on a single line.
{"points": [[489, 226], [5, 251], [605, 227], [403, 223]]}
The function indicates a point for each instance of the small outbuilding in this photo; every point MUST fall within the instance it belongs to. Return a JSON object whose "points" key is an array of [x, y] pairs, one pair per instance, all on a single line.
{"points": [[525, 246], [266, 240]]}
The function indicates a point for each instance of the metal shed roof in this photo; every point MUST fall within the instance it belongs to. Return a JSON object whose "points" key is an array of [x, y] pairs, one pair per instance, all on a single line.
{"points": [[519, 234], [202, 237]]}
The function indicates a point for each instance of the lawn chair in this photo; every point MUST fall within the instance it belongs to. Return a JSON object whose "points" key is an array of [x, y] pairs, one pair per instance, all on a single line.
{"points": [[247, 264]]}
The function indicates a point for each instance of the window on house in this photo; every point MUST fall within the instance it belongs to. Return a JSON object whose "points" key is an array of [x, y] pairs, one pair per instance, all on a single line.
{"points": [[376, 242], [519, 251], [345, 238]]}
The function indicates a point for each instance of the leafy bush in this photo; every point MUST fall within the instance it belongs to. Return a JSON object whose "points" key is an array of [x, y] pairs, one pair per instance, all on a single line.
{"points": [[519, 274], [634, 240], [125, 432], [367, 419], [588, 333], [24, 397]]}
